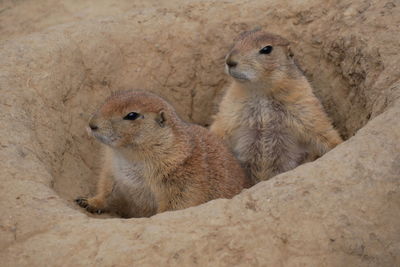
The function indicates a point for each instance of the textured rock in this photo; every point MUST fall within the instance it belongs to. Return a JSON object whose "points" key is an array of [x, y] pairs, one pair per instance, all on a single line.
{"points": [[341, 210]]}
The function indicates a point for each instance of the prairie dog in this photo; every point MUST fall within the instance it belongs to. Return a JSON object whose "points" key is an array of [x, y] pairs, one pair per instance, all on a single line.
{"points": [[156, 162], [269, 116]]}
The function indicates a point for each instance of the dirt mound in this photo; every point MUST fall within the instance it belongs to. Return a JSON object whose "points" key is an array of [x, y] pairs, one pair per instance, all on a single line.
{"points": [[342, 209]]}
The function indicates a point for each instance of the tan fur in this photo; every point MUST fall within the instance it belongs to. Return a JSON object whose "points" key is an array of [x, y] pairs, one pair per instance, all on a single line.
{"points": [[269, 115], [157, 162]]}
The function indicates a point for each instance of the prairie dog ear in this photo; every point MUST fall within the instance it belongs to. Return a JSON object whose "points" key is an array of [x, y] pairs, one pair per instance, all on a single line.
{"points": [[161, 118], [290, 56], [290, 52]]}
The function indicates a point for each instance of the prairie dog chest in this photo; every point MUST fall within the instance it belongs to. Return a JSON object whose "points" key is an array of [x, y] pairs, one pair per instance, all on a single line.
{"points": [[136, 175], [262, 128], [128, 173], [131, 194], [262, 116]]}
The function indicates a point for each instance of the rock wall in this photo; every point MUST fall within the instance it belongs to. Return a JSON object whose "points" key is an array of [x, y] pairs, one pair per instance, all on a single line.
{"points": [[341, 210]]}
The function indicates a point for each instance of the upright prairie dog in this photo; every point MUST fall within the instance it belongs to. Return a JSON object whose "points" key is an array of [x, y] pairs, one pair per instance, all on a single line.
{"points": [[269, 115], [155, 162]]}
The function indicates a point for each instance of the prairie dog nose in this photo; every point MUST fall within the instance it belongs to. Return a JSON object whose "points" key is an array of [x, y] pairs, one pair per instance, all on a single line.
{"points": [[93, 127], [230, 59], [231, 63]]}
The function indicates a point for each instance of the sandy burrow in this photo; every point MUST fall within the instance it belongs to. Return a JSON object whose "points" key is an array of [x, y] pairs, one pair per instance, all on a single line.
{"points": [[341, 210]]}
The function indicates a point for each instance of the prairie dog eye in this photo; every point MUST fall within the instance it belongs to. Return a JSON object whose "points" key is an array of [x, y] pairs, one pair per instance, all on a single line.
{"points": [[132, 116], [266, 50]]}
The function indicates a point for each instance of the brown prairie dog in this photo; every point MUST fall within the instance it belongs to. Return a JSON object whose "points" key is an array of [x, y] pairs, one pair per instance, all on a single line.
{"points": [[269, 116], [156, 162]]}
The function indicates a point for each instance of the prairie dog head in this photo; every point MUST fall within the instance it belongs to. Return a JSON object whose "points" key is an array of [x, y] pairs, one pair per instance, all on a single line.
{"points": [[258, 56], [134, 119]]}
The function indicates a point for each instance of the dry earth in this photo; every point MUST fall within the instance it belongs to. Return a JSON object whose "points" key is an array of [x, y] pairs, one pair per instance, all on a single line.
{"points": [[341, 210]]}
